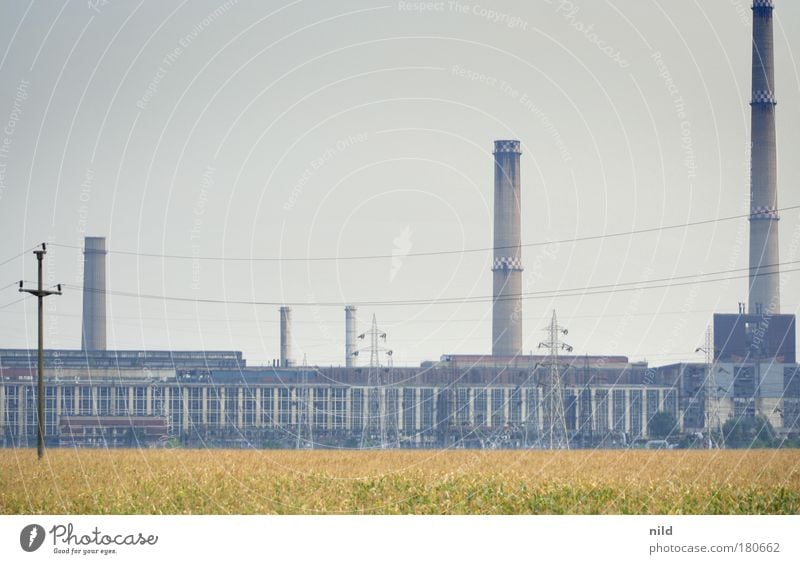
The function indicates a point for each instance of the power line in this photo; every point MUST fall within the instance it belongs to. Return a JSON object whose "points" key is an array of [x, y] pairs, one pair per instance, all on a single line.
{"points": [[427, 253], [15, 257], [543, 294]]}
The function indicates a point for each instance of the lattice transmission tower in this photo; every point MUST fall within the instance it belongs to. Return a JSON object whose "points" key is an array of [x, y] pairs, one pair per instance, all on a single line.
{"points": [[376, 428], [554, 431]]}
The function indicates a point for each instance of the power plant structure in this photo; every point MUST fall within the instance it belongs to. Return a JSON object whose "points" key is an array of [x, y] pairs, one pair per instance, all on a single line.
{"points": [[507, 263], [93, 331], [286, 336], [764, 270], [350, 323], [557, 399]]}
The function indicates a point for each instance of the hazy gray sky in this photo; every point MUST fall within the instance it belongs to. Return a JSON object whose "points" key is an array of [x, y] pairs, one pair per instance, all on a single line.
{"points": [[300, 129]]}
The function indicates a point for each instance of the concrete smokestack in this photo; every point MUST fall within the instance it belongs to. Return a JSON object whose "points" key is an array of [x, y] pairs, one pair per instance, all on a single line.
{"points": [[286, 336], [764, 272], [93, 331], [507, 264], [349, 336]]}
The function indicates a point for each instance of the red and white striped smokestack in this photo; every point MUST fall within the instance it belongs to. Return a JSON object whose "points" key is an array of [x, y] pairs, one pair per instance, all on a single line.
{"points": [[764, 272]]}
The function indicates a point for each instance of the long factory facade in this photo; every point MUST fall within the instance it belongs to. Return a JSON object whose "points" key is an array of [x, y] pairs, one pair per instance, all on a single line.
{"points": [[138, 398], [100, 397]]}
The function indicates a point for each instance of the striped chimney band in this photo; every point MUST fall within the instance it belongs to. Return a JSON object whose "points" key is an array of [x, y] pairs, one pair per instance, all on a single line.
{"points": [[763, 97], [764, 212], [763, 4], [507, 263], [506, 147]]}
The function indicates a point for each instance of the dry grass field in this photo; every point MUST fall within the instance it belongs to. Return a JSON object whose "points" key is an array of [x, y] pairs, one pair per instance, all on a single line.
{"points": [[399, 482]]}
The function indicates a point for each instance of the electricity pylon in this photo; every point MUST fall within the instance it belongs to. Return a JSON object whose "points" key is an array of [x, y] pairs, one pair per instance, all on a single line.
{"points": [[555, 435]]}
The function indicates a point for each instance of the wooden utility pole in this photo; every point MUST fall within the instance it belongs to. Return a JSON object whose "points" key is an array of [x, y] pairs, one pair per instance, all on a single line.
{"points": [[40, 294]]}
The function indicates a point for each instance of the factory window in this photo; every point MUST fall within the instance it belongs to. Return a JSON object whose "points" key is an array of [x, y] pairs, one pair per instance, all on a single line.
{"points": [[586, 412], [68, 400], [284, 406], [249, 407], [31, 415], [693, 399], [139, 400], [791, 398], [267, 407], [570, 410], [231, 407], [195, 405], [427, 408], [339, 401], [320, 407], [50, 417], [176, 410], [374, 409], [391, 409], [86, 400], [652, 403], [531, 409], [601, 400], [636, 413], [671, 402], [462, 405], [158, 400], [619, 410], [357, 409], [515, 406], [104, 400], [744, 391], [213, 401], [409, 412], [498, 407], [480, 406], [121, 401], [10, 406]]}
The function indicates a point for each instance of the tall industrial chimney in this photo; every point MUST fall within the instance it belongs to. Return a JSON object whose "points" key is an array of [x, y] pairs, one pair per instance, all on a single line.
{"points": [[286, 336], [93, 331], [349, 336], [764, 271], [507, 265]]}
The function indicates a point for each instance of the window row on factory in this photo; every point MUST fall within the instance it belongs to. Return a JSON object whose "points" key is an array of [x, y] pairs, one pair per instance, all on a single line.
{"points": [[407, 409]]}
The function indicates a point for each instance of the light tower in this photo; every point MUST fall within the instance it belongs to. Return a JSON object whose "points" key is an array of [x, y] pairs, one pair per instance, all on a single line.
{"points": [[764, 272], [554, 434]]}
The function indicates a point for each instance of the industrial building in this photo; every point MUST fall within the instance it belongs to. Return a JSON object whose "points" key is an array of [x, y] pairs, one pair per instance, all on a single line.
{"points": [[99, 397]]}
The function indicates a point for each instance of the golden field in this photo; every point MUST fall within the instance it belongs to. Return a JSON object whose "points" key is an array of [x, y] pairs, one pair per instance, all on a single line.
{"points": [[399, 482]]}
